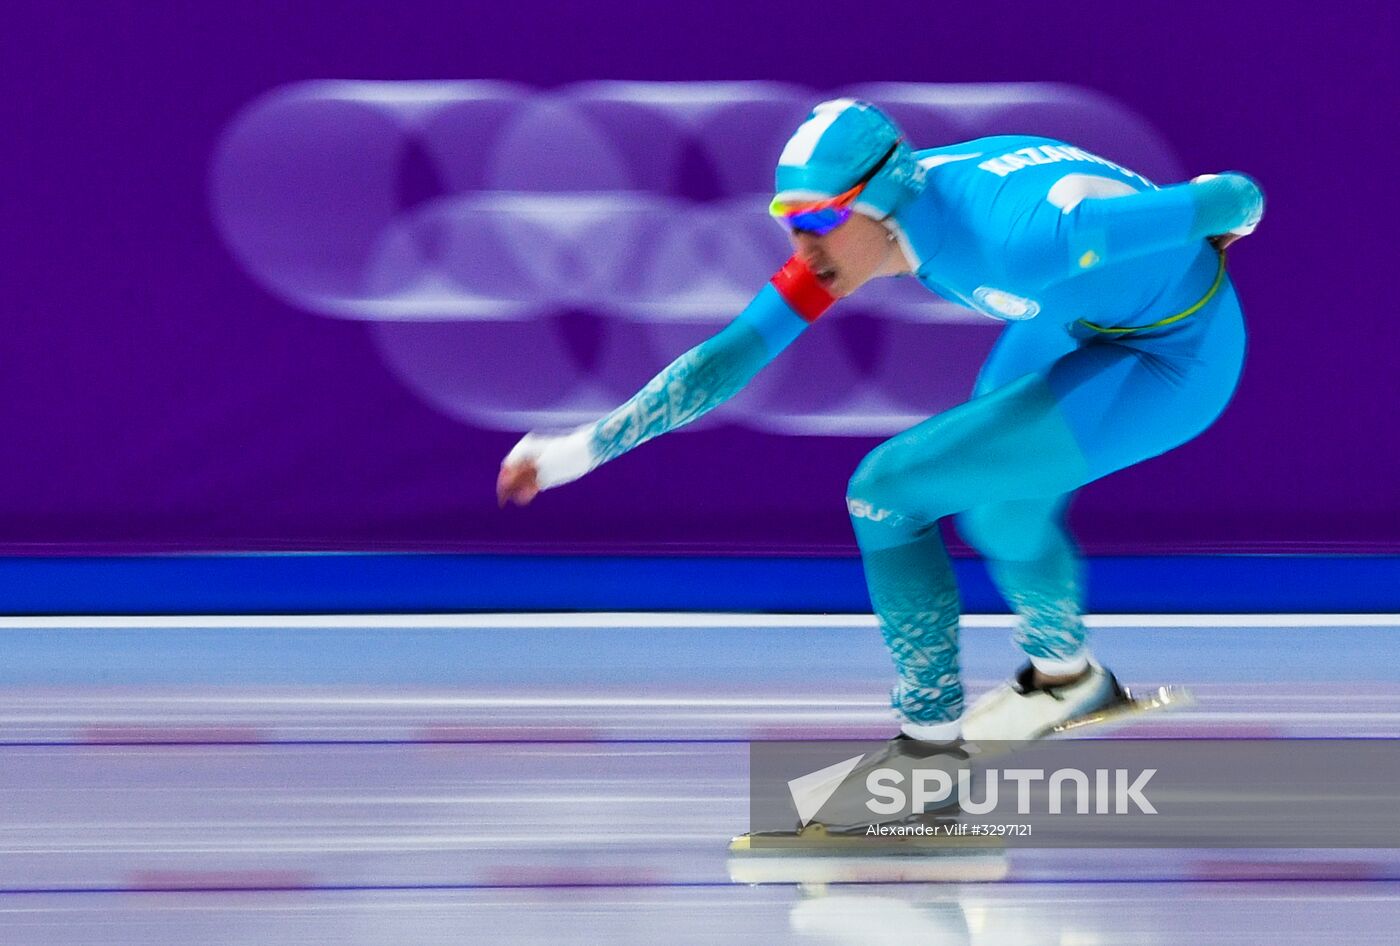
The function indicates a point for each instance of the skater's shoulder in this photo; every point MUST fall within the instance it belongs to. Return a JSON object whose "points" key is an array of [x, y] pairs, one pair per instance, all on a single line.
{"points": [[951, 160], [989, 146]]}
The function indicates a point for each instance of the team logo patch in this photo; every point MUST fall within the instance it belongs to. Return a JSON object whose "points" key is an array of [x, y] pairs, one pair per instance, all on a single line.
{"points": [[1005, 305]]}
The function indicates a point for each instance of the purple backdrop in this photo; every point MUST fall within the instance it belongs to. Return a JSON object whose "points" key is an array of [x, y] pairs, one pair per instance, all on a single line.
{"points": [[156, 398]]}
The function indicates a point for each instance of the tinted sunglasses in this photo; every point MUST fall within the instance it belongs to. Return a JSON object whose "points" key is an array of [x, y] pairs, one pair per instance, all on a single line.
{"points": [[820, 217]]}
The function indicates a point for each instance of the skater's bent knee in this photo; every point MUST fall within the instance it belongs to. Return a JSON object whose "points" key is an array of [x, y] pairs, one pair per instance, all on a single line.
{"points": [[878, 484], [889, 485]]}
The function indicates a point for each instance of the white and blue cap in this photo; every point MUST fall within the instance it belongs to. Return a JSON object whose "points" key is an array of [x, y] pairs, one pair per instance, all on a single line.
{"points": [[838, 144]]}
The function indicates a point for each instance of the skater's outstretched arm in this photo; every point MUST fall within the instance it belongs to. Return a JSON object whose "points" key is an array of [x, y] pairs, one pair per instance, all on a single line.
{"points": [[1094, 231], [693, 384]]}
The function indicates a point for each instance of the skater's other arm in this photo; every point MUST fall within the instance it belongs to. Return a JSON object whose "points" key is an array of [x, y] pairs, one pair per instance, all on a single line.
{"points": [[1096, 231], [693, 384]]}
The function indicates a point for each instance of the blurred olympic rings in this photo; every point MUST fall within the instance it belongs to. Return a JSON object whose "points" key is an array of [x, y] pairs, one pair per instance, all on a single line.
{"points": [[528, 258]]}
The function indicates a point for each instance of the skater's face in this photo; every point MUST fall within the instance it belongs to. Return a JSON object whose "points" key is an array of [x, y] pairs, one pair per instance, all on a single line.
{"points": [[851, 255]]}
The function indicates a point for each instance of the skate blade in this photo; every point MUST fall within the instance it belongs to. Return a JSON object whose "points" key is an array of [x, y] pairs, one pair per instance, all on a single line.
{"points": [[815, 840], [812, 856], [1122, 713]]}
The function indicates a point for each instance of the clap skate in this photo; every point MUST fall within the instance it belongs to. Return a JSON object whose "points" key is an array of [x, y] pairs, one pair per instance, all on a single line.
{"points": [[1018, 711], [840, 838]]}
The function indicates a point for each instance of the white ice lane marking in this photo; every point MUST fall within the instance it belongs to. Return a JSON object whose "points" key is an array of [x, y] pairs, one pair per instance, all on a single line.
{"points": [[651, 620]]}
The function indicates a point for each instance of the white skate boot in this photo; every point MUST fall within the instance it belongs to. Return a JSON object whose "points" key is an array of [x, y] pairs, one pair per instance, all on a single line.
{"points": [[1019, 711]]}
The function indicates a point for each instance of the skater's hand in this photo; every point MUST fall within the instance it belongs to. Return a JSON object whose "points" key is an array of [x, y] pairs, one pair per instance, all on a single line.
{"points": [[543, 461], [1251, 206], [517, 483]]}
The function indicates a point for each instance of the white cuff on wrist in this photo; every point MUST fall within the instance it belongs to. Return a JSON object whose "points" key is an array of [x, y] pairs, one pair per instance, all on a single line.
{"points": [[559, 458]]}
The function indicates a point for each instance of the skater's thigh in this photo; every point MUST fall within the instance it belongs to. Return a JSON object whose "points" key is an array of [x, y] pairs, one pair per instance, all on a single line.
{"points": [[1009, 444], [1100, 407], [1133, 399]]}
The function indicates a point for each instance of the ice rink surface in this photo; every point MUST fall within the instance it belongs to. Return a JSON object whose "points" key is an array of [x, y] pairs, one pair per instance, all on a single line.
{"points": [[575, 778]]}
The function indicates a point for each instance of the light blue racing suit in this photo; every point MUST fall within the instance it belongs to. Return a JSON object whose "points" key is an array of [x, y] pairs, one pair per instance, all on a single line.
{"points": [[1125, 340]]}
